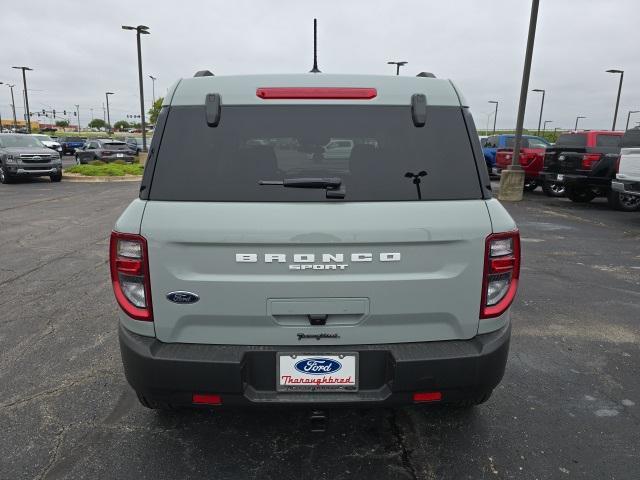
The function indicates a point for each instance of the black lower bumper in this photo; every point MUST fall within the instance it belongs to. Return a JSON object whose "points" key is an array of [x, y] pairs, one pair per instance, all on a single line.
{"points": [[246, 375], [577, 180]]}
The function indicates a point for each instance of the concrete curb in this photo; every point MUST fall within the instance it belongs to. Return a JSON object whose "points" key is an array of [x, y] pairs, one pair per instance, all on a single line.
{"points": [[101, 178]]}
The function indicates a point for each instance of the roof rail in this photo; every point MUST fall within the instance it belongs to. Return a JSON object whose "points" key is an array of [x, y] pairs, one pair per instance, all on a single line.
{"points": [[426, 74], [203, 73]]}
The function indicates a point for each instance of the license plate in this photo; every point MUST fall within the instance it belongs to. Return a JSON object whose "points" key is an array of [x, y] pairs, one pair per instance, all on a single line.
{"points": [[119, 155], [560, 178], [317, 373]]}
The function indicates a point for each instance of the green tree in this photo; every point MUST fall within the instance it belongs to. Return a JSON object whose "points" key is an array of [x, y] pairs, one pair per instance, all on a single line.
{"points": [[97, 123], [155, 111], [62, 123], [136, 125], [121, 125]]}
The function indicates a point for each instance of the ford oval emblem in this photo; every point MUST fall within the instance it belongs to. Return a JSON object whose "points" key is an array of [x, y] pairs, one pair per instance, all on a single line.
{"points": [[318, 366], [182, 297]]}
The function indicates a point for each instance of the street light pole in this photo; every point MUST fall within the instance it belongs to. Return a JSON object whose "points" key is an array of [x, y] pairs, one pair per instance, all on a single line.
{"points": [[140, 30], [13, 107], [108, 116], [629, 116], [575, 129], [539, 90], [495, 115], [78, 110], [512, 179], [544, 128], [26, 96], [153, 88], [398, 65], [615, 114]]}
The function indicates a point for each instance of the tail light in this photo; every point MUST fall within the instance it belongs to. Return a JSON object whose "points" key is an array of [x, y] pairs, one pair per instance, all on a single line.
{"points": [[589, 159], [618, 164], [316, 93], [129, 262], [501, 273]]}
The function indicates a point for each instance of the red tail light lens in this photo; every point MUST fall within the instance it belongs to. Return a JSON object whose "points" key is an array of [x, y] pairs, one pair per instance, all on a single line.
{"points": [[129, 264], [589, 159], [501, 273], [422, 397], [316, 93], [206, 399]]}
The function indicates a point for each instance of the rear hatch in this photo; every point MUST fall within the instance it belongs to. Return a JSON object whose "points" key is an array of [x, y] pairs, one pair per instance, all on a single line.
{"points": [[398, 259]]}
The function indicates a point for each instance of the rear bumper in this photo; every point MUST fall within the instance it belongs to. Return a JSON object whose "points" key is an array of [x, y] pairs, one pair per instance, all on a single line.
{"points": [[629, 187], [246, 375], [576, 179]]}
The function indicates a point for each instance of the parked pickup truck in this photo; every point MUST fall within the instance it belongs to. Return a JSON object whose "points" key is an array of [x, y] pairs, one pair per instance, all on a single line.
{"points": [[627, 180], [69, 145], [491, 145], [531, 159], [587, 163]]}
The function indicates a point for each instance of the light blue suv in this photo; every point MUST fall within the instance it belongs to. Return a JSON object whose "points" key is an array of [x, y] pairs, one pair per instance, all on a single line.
{"points": [[254, 270]]}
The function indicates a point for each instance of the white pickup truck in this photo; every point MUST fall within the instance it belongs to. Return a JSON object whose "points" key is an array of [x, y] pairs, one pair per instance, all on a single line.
{"points": [[628, 177]]}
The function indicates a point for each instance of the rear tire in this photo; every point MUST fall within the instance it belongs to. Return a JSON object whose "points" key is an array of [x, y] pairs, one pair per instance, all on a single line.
{"points": [[553, 189], [471, 402], [579, 194], [623, 202], [530, 185]]}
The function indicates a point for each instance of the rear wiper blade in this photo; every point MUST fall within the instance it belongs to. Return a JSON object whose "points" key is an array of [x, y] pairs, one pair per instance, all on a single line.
{"points": [[333, 185]]}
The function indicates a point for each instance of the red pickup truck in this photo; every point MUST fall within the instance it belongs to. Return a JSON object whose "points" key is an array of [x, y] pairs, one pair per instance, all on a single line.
{"points": [[532, 160]]}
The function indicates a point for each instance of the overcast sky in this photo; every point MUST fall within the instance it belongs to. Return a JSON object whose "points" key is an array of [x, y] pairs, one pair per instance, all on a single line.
{"points": [[78, 50]]}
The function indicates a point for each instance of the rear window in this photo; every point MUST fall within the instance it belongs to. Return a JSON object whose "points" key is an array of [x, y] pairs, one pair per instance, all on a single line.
{"points": [[572, 140], [371, 149], [608, 140], [631, 138]]}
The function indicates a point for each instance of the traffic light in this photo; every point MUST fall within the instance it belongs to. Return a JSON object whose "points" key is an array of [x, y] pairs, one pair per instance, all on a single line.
{"points": [[74, 114], [43, 111], [64, 112], [54, 114]]}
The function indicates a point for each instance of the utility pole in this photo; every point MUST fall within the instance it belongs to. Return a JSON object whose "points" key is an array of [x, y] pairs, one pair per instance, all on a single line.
{"points": [[539, 90], [13, 107], [153, 88], [512, 179], [27, 115], [615, 114], [495, 116], [140, 30], [108, 116], [78, 110]]}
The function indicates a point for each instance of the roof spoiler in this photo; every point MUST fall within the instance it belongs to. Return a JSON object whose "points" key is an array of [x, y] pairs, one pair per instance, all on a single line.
{"points": [[426, 74], [203, 73]]}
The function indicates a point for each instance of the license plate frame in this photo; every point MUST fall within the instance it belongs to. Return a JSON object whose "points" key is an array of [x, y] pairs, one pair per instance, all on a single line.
{"points": [[342, 357], [120, 155]]}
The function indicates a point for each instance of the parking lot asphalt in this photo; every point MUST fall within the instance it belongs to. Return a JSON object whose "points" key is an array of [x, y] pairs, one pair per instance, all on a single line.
{"points": [[568, 407]]}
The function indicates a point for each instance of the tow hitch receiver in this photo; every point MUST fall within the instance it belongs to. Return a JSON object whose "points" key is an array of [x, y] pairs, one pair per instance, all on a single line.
{"points": [[318, 421]]}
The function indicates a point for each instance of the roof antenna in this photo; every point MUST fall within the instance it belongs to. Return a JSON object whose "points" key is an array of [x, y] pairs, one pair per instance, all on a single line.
{"points": [[315, 47]]}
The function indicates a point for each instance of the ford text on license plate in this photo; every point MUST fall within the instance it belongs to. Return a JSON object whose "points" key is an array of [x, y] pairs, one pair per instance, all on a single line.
{"points": [[314, 372]]}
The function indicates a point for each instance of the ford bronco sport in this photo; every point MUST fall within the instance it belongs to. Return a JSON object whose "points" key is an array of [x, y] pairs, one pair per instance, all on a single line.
{"points": [[255, 270]]}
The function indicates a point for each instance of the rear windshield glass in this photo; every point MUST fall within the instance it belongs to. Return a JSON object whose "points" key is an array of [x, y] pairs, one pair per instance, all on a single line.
{"points": [[376, 151], [608, 140], [572, 140], [631, 138]]}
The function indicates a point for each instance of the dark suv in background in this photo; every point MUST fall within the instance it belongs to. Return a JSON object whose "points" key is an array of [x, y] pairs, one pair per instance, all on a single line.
{"points": [[586, 162], [105, 150]]}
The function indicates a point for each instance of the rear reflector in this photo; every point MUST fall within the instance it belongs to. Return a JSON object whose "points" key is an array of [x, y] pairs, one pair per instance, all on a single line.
{"points": [[206, 399], [316, 93], [421, 397]]}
